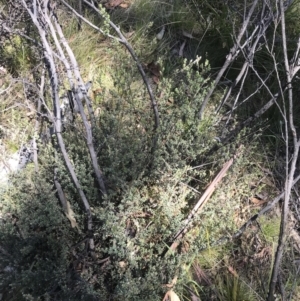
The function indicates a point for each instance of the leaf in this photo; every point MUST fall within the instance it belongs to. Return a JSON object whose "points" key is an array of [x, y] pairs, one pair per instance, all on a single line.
{"points": [[172, 284], [160, 35], [188, 35], [255, 200], [155, 79], [124, 5], [70, 215], [296, 237], [122, 264], [115, 3], [181, 48], [129, 34], [154, 69], [258, 202], [233, 271], [171, 296]]}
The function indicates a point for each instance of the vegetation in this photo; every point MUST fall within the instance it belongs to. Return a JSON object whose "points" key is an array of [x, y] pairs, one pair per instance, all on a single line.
{"points": [[174, 175]]}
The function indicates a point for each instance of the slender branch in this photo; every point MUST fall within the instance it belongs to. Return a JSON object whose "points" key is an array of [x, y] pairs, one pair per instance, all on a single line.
{"points": [[88, 22], [57, 113], [290, 171], [125, 42], [200, 204], [37, 122], [267, 208], [80, 90], [234, 51]]}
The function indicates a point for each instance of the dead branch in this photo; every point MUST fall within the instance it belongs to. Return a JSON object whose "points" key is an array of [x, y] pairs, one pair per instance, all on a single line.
{"points": [[267, 16], [290, 168], [200, 204], [125, 42], [34, 14], [37, 123], [267, 208], [234, 52], [79, 92]]}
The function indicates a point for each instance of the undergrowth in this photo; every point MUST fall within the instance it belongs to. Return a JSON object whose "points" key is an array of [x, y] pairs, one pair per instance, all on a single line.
{"points": [[150, 193]]}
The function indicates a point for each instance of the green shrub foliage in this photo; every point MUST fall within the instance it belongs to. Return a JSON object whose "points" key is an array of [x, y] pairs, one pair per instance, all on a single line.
{"points": [[133, 227]]}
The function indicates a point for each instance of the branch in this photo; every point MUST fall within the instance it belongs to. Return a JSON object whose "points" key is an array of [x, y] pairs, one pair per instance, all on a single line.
{"points": [[265, 21], [290, 171], [125, 42], [234, 51], [57, 121], [79, 93], [267, 208], [200, 204]]}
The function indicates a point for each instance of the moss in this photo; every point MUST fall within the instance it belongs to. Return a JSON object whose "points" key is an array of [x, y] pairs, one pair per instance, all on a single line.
{"points": [[270, 228]]}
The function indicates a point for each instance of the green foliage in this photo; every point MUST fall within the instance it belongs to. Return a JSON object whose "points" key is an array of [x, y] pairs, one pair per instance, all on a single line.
{"points": [[16, 54], [135, 223], [234, 289], [270, 228], [150, 192]]}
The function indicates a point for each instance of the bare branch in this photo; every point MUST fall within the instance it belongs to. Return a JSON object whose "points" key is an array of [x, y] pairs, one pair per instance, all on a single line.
{"points": [[125, 42], [77, 91], [57, 113], [200, 204], [234, 51], [290, 171]]}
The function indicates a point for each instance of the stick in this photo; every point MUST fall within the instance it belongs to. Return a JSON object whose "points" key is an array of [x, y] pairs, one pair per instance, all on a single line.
{"points": [[200, 204]]}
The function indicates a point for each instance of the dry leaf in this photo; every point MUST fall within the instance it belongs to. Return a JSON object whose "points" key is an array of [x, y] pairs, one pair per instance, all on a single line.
{"points": [[115, 3], [122, 264], [258, 202], [3, 70], [171, 296], [70, 215], [188, 35], [201, 276], [255, 200], [155, 79], [181, 48], [154, 69], [160, 35], [124, 5], [30, 114], [264, 253], [129, 34], [233, 271], [296, 237], [172, 284]]}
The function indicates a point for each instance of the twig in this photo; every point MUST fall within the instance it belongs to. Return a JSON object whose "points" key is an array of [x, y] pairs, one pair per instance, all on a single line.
{"points": [[57, 120], [234, 51], [268, 207], [37, 122], [81, 90], [125, 42], [200, 204], [290, 167]]}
